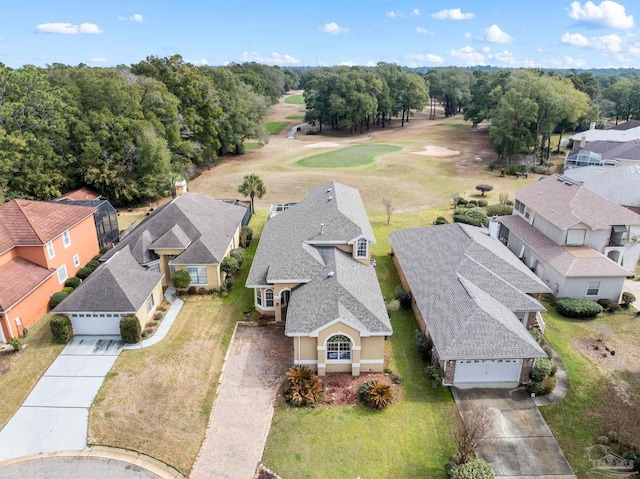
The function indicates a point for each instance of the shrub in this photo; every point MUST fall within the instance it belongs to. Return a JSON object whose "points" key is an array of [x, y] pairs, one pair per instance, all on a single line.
{"points": [[578, 308], [130, 329], [547, 349], [635, 457], [423, 345], [302, 386], [513, 169], [536, 335], [61, 328], [627, 299], [97, 257], [498, 210], [93, 264], [402, 296], [435, 373], [72, 282], [509, 203], [462, 201], [229, 265], [229, 283], [393, 306], [475, 469], [67, 290], [56, 298], [181, 279], [473, 202], [613, 307], [440, 220], [375, 394], [237, 255], [484, 188], [540, 370], [246, 236], [468, 220], [543, 387], [15, 343], [84, 272], [192, 290], [605, 303], [482, 203]]}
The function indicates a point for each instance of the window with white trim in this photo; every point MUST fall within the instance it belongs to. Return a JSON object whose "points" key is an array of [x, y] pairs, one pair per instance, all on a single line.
{"points": [[258, 297], [50, 251], [338, 348], [62, 274], [268, 298], [149, 304], [155, 267], [198, 274], [362, 248], [593, 288], [76, 260], [66, 239], [519, 206]]}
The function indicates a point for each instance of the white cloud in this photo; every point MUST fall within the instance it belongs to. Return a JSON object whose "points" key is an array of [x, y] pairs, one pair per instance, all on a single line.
{"points": [[574, 62], [395, 14], [486, 49], [575, 39], [529, 64], [422, 30], [415, 12], [622, 58], [348, 63], [503, 57], [539, 50], [136, 17], [202, 61], [607, 14], [469, 55], [468, 35], [494, 34], [69, 28], [333, 28], [453, 14], [97, 60], [371, 64], [420, 59], [275, 58]]}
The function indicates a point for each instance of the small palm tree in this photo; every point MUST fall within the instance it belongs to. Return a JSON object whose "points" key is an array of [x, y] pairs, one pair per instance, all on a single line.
{"points": [[375, 394], [302, 386], [252, 186]]}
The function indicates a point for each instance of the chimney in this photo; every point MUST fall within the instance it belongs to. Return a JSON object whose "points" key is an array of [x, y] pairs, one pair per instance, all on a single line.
{"points": [[321, 228], [181, 187], [583, 141]]}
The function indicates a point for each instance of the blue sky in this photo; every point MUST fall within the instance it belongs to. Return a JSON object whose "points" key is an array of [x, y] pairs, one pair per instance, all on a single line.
{"points": [[515, 33]]}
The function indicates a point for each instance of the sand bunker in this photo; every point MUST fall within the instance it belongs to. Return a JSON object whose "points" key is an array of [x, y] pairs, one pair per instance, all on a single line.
{"points": [[437, 151], [322, 144]]}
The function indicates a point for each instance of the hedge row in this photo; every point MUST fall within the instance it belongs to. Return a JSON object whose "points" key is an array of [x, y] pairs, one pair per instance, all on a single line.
{"points": [[578, 308]]}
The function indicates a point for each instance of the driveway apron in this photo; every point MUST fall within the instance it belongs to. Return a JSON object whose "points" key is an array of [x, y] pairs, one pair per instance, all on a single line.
{"points": [[254, 368], [55, 416], [521, 444]]}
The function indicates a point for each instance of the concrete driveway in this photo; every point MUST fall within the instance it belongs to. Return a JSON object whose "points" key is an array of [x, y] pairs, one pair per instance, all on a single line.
{"points": [[85, 467], [522, 445], [54, 417], [240, 421]]}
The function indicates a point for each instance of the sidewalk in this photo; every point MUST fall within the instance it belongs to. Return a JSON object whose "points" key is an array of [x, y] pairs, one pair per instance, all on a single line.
{"points": [[165, 325]]}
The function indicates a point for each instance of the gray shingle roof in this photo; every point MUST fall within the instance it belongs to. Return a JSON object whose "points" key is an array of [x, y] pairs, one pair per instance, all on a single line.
{"points": [[613, 150], [203, 225], [467, 285], [619, 184], [564, 204], [570, 261], [119, 285]]}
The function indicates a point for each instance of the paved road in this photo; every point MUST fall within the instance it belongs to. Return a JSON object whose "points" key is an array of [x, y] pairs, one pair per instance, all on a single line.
{"points": [[254, 368], [54, 417], [522, 445], [75, 467]]}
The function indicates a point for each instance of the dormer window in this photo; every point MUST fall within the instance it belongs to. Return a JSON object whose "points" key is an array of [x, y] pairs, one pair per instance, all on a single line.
{"points": [[362, 248]]}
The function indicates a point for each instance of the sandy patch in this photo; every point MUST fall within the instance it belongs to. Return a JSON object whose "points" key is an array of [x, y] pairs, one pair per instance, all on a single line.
{"points": [[437, 151], [322, 144]]}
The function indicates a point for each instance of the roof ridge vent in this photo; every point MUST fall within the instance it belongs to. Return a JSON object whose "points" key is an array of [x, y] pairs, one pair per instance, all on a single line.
{"points": [[331, 274]]}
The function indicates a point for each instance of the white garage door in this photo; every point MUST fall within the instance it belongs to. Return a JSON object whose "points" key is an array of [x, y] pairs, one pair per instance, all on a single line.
{"points": [[96, 324], [487, 371]]}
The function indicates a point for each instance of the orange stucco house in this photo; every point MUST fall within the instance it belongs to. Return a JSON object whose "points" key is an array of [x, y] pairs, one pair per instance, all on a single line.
{"points": [[41, 245]]}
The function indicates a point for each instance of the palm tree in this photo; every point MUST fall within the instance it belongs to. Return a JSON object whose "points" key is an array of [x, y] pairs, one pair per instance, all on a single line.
{"points": [[252, 185]]}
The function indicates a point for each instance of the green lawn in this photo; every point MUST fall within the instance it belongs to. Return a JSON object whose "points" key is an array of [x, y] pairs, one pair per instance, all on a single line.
{"points": [[295, 117], [252, 145], [346, 157], [276, 127], [410, 439], [295, 100]]}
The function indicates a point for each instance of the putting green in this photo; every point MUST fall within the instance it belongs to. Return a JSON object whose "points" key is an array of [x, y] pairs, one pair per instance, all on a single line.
{"points": [[294, 100], [276, 127], [346, 157]]}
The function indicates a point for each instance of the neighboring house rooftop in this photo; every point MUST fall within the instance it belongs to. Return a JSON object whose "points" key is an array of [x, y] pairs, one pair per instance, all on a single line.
{"points": [[620, 185], [612, 150], [81, 194], [19, 278], [467, 286], [200, 226], [119, 285], [607, 135], [576, 261], [565, 203], [31, 223], [627, 125]]}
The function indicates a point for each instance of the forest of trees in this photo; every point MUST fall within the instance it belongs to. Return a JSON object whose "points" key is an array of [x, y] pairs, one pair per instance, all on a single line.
{"points": [[127, 132]]}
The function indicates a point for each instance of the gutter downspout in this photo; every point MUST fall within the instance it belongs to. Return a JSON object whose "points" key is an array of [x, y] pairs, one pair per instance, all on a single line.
{"points": [[6, 320]]}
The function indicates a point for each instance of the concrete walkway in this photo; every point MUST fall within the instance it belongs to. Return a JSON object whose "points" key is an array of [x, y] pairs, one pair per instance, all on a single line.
{"points": [[254, 368], [169, 318], [633, 287], [294, 130], [521, 446]]}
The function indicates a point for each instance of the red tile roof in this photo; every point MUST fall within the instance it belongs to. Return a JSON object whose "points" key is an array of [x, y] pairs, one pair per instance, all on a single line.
{"points": [[81, 194], [29, 274], [26, 222]]}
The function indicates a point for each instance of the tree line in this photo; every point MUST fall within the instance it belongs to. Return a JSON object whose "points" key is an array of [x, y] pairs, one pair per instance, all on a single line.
{"points": [[127, 132]]}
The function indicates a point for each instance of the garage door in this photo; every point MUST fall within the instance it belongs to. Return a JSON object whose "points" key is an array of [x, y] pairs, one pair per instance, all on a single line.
{"points": [[96, 324], [487, 371]]}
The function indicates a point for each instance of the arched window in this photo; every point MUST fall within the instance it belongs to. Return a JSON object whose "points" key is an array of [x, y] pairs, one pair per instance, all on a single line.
{"points": [[362, 248], [338, 348], [268, 298]]}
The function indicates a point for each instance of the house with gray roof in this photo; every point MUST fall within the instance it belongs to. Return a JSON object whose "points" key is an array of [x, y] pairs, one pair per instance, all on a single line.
{"points": [[192, 232], [475, 302], [577, 241], [118, 287], [312, 269]]}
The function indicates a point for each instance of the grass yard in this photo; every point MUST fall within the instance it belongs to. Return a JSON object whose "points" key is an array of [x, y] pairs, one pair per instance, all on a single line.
{"points": [[294, 100], [157, 400], [276, 127], [346, 157], [591, 407], [295, 117], [410, 439], [252, 145], [19, 372]]}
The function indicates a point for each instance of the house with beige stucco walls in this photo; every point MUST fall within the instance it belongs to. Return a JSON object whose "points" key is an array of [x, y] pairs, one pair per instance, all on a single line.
{"points": [[312, 269]]}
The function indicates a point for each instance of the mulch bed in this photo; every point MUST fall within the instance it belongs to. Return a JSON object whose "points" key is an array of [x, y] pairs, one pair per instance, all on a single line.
{"points": [[341, 389]]}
